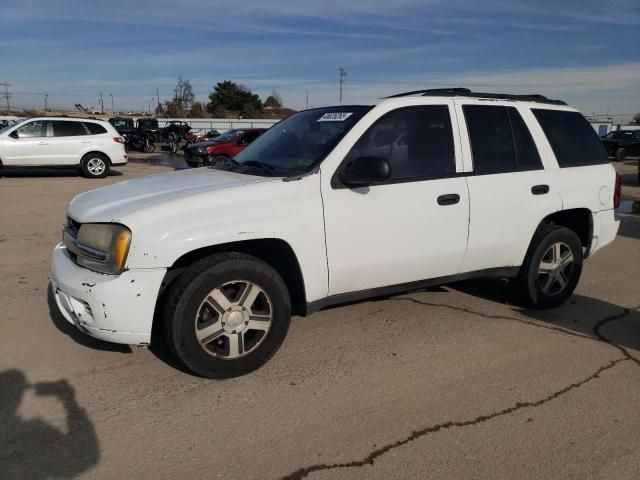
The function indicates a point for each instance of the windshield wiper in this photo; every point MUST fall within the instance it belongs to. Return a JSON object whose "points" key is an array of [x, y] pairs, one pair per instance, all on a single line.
{"points": [[264, 167]]}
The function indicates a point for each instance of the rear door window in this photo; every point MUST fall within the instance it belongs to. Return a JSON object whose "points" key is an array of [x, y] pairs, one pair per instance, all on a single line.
{"points": [[63, 128], [500, 140], [491, 141], [572, 138], [527, 157]]}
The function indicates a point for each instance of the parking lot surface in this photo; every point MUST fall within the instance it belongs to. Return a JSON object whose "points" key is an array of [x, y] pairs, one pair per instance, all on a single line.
{"points": [[451, 382]]}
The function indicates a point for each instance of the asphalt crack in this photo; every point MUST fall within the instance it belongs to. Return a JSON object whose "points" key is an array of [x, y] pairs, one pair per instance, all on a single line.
{"points": [[417, 434]]}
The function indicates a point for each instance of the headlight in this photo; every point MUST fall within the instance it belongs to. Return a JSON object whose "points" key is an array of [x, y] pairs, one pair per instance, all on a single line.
{"points": [[100, 246]]}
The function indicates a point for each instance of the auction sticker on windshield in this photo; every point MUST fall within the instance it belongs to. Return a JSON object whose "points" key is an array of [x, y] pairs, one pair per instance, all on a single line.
{"points": [[335, 116]]}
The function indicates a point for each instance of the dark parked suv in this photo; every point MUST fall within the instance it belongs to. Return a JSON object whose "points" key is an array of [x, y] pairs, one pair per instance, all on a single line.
{"points": [[621, 143]]}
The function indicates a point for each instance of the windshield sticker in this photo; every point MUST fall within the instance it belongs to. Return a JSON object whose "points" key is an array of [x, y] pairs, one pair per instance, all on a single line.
{"points": [[335, 116]]}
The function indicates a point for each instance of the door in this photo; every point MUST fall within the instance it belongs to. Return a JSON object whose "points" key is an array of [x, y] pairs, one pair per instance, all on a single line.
{"points": [[242, 142], [509, 189], [69, 141], [28, 145], [412, 227]]}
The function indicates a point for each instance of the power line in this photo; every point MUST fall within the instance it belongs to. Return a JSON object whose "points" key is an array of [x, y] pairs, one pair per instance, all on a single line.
{"points": [[341, 80]]}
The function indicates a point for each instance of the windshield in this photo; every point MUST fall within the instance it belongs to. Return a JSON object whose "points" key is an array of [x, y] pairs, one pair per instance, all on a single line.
{"points": [[301, 141], [620, 134], [228, 135]]}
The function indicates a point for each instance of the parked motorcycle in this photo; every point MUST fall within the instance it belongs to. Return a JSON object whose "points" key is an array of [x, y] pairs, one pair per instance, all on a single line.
{"points": [[172, 143], [139, 142]]}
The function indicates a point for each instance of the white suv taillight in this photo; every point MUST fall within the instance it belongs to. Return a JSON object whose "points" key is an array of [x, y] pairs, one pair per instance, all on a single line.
{"points": [[118, 139]]}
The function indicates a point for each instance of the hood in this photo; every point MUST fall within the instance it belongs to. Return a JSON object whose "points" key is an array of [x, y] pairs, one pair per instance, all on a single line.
{"points": [[112, 203], [205, 144]]}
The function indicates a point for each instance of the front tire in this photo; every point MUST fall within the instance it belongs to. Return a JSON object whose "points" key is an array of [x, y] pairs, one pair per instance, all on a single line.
{"points": [[552, 267], [227, 315], [94, 165], [621, 154], [219, 159]]}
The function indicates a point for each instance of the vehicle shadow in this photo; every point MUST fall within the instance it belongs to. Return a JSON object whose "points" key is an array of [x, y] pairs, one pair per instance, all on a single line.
{"points": [[46, 172], [34, 449], [630, 225], [70, 330], [630, 179], [584, 315]]}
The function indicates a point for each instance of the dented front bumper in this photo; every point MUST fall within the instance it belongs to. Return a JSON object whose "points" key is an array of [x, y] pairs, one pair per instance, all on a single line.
{"points": [[114, 308]]}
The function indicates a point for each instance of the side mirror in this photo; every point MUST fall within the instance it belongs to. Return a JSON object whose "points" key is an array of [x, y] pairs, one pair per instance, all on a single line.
{"points": [[14, 134], [365, 171]]}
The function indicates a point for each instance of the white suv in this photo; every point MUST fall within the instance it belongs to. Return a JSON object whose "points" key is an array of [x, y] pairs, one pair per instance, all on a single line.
{"points": [[92, 145], [334, 205]]}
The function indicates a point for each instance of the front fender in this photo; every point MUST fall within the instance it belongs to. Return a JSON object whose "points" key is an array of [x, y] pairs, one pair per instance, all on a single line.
{"points": [[288, 211]]}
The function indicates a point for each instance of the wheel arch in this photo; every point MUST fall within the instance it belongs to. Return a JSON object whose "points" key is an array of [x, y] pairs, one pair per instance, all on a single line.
{"points": [[578, 220], [274, 251], [102, 154]]}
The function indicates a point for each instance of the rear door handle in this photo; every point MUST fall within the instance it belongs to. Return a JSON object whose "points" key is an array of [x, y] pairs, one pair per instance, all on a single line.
{"points": [[448, 199], [85, 141], [540, 189], [43, 143]]}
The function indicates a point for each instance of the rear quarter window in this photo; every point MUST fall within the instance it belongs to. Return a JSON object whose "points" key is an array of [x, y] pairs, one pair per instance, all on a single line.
{"points": [[94, 128], [573, 140]]}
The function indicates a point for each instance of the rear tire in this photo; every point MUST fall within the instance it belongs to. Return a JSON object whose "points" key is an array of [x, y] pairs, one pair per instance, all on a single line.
{"points": [[94, 165], [552, 267], [226, 315], [149, 147], [621, 154]]}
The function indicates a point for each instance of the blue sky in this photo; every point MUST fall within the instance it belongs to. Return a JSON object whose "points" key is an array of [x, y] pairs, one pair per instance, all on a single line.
{"points": [[586, 52]]}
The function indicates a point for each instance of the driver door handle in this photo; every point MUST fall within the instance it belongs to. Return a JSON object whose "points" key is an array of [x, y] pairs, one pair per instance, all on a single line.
{"points": [[449, 199], [540, 189], [43, 143]]}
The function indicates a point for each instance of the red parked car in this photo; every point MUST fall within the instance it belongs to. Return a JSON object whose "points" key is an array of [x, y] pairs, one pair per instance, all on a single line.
{"points": [[222, 147]]}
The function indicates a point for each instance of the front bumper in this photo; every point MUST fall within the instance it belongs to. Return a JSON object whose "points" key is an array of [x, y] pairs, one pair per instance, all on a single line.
{"points": [[195, 158], [115, 308]]}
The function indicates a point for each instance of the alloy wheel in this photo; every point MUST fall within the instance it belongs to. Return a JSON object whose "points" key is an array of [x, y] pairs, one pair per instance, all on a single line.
{"points": [[233, 320], [96, 166], [556, 269]]}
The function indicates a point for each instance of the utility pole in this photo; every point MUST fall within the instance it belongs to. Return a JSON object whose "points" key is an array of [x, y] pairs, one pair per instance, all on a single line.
{"points": [[113, 112], [45, 102], [153, 104], [7, 95], [158, 95], [341, 80], [307, 99], [101, 104]]}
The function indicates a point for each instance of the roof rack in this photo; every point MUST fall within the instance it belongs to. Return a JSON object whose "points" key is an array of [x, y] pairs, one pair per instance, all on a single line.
{"points": [[465, 92]]}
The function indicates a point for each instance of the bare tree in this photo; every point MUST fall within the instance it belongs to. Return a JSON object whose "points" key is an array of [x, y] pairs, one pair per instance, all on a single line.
{"points": [[184, 96], [274, 100]]}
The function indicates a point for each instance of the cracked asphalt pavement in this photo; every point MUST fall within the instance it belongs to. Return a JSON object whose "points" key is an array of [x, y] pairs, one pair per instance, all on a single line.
{"points": [[457, 381]]}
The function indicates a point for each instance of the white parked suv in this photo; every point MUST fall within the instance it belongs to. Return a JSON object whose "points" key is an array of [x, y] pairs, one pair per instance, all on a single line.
{"points": [[333, 205], [91, 145]]}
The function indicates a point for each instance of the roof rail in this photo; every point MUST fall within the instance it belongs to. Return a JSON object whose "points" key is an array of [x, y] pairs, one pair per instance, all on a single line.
{"points": [[465, 92]]}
